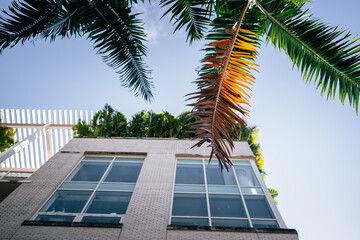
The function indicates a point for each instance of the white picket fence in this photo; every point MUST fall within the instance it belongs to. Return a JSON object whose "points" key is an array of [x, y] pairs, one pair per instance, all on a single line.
{"points": [[27, 121]]}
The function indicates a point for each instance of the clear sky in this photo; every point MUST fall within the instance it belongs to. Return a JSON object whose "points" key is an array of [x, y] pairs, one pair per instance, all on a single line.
{"points": [[311, 145]]}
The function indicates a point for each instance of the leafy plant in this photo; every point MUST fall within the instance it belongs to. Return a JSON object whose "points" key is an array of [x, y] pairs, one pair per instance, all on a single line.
{"points": [[105, 123], [6, 137]]}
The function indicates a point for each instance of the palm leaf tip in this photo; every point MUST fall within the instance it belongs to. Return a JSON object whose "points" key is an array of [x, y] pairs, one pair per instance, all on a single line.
{"points": [[194, 15], [224, 82]]}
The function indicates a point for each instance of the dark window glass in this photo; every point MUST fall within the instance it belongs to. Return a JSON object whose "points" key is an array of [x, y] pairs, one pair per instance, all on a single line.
{"points": [[217, 222], [246, 176], [124, 172], [46, 218], [101, 219], [215, 176], [89, 172], [189, 205], [67, 201], [264, 224], [226, 206], [190, 221], [189, 174], [109, 203], [258, 207]]}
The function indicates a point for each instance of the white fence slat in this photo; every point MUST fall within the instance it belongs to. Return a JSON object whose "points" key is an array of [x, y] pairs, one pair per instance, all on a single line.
{"points": [[33, 155]]}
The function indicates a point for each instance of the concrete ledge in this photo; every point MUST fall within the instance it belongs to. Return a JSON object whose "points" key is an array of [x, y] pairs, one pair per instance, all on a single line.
{"points": [[71, 224], [233, 229]]}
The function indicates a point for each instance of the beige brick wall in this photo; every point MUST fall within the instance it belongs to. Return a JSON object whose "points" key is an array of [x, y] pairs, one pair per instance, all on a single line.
{"points": [[148, 213]]}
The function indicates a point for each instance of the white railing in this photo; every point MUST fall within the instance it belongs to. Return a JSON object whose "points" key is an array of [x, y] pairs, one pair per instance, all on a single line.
{"points": [[40, 134]]}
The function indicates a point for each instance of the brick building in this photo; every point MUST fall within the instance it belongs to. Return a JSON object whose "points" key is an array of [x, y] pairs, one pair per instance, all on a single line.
{"points": [[142, 189]]}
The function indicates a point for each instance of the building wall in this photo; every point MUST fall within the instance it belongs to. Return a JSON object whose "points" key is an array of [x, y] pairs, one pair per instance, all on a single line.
{"points": [[148, 213]]}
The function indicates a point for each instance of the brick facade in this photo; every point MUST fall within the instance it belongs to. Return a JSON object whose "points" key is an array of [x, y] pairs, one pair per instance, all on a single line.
{"points": [[148, 213]]}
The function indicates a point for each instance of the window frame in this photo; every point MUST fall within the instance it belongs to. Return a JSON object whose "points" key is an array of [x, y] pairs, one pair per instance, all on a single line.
{"points": [[247, 161], [79, 216]]}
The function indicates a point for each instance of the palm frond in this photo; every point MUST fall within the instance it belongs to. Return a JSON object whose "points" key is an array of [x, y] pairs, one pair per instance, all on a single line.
{"points": [[327, 55], [119, 37], [66, 23], [192, 13], [225, 86], [26, 20]]}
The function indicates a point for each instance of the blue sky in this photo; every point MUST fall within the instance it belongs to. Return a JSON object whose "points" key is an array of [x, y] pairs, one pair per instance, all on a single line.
{"points": [[310, 144]]}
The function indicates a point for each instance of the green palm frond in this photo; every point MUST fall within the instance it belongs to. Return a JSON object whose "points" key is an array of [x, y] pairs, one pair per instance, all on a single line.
{"points": [[297, 2], [118, 36], [82, 129], [25, 21], [66, 22], [327, 55], [194, 14]]}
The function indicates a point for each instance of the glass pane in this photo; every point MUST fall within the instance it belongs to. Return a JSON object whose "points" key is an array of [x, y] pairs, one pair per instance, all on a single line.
{"points": [[246, 176], [87, 171], [133, 160], [217, 222], [226, 206], [78, 185], [264, 224], [124, 172], [215, 176], [190, 161], [46, 218], [189, 205], [109, 203], [190, 221], [116, 186], [107, 159], [67, 201], [101, 219], [189, 174], [223, 189], [258, 207], [252, 191], [240, 162], [189, 188]]}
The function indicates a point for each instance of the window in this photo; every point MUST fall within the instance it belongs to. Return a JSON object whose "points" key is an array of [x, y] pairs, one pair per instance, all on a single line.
{"points": [[98, 190], [206, 196]]}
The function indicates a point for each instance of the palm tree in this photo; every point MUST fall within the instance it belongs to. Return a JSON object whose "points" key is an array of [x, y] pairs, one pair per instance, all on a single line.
{"points": [[117, 34], [326, 55], [105, 123]]}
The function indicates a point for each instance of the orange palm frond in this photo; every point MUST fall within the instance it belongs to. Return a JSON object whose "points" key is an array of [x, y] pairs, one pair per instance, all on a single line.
{"points": [[225, 92]]}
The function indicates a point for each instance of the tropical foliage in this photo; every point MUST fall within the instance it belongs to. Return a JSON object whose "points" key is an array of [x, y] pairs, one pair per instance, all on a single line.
{"points": [[111, 123], [328, 56], [6, 137]]}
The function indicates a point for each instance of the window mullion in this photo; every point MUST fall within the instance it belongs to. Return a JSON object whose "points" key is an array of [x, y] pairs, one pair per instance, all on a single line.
{"points": [[242, 196], [80, 215], [207, 194]]}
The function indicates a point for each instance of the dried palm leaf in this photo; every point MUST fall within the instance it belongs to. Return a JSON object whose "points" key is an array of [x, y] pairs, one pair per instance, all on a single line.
{"points": [[224, 92]]}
